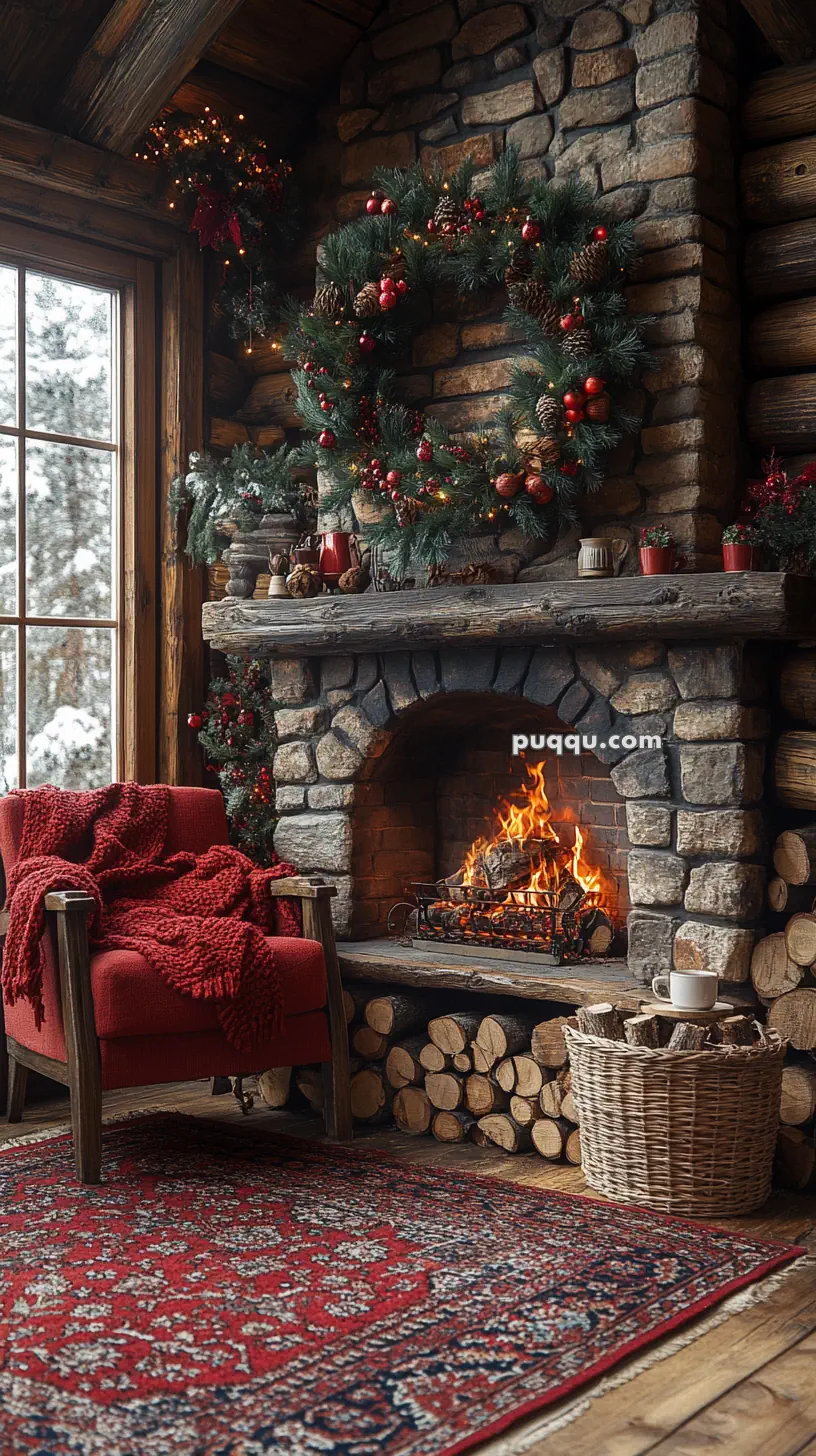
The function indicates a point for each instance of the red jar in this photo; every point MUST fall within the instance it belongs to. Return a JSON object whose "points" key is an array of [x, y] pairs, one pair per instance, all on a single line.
{"points": [[657, 560], [739, 556], [335, 556]]}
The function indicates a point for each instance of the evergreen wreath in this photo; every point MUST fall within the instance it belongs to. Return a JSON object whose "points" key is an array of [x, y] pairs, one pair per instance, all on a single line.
{"points": [[249, 484], [564, 269], [236, 729], [245, 208]]}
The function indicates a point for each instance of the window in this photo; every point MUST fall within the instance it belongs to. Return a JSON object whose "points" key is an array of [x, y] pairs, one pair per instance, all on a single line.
{"points": [[68, 519]]}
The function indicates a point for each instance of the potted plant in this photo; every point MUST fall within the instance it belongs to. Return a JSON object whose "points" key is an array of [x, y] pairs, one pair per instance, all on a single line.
{"points": [[738, 548], [782, 514], [658, 553]]}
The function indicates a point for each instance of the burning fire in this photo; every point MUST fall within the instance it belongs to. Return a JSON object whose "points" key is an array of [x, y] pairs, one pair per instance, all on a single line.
{"points": [[526, 831]]}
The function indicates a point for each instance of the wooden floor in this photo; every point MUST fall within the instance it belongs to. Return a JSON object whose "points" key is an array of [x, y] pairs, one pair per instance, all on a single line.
{"points": [[747, 1386]]}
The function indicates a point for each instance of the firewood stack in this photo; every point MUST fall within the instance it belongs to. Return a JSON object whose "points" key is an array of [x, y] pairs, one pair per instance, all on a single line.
{"points": [[783, 972]]}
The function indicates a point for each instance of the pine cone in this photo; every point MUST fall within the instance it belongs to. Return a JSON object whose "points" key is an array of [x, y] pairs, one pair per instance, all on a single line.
{"points": [[328, 302], [591, 264], [356, 579], [446, 210], [367, 301], [303, 582], [597, 408], [549, 413], [518, 270], [534, 297], [578, 343]]}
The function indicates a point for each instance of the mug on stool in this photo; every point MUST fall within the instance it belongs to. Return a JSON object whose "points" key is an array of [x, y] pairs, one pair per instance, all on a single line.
{"points": [[688, 990]]}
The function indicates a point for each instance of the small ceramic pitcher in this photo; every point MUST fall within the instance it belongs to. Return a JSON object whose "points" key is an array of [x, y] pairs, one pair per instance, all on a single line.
{"points": [[601, 555]]}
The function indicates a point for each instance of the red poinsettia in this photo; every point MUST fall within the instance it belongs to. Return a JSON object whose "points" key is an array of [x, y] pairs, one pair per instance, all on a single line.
{"points": [[215, 219]]}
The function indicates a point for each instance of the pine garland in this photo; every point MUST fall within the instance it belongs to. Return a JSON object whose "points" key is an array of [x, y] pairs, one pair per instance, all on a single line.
{"points": [[420, 232], [247, 485], [236, 729], [243, 206]]}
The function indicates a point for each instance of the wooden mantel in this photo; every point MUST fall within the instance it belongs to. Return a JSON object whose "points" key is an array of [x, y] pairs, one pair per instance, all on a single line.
{"points": [[738, 604]]}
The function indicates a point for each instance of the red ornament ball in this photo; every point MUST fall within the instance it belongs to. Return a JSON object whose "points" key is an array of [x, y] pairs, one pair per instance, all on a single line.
{"points": [[402, 286], [567, 322], [393, 479], [372, 206], [367, 343], [388, 207], [507, 484], [569, 467], [480, 214], [194, 720], [387, 285], [424, 451], [530, 231], [327, 439], [594, 385], [574, 416], [326, 406], [538, 489], [388, 300], [430, 225], [573, 399], [600, 234]]}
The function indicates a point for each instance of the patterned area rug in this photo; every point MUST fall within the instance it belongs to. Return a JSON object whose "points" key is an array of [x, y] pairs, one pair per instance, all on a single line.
{"points": [[226, 1294]]}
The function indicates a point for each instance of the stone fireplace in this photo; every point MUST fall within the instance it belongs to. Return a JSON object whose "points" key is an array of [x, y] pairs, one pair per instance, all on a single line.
{"points": [[392, 761]]}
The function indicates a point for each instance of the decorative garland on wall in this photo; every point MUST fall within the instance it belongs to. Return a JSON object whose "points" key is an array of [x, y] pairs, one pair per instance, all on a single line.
{"points": [[243, 206], [564, 271], [236, 729]]}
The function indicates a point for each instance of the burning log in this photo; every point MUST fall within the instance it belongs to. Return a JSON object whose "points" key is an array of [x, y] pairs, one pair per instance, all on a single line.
{"points": [[508, 864], [596, 932]]}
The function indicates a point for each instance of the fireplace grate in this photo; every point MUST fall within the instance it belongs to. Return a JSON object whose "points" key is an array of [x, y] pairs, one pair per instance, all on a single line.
{"points": [[539, 921]]}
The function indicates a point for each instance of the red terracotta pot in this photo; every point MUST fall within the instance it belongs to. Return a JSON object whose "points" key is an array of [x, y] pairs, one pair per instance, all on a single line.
{"points": [[738, 556], [657, 560], [335, 556]]}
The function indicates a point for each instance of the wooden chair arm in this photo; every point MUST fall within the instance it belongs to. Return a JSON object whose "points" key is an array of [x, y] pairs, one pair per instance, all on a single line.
{"points": [[298, 888]]}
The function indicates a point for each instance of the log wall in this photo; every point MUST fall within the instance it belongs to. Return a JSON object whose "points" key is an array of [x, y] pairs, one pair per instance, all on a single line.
{"points": [[778, 196]]}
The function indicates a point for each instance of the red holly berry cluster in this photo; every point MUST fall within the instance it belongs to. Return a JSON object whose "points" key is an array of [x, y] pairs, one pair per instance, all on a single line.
{"points": [[390, 290]]}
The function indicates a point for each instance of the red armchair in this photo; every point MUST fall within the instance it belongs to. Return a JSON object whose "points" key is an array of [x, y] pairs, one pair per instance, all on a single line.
{"points": [[111, 1021]]}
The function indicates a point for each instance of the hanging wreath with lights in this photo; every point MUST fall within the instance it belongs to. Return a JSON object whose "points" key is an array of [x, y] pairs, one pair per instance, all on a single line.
{"points": [[243, 207], [564, 270]]}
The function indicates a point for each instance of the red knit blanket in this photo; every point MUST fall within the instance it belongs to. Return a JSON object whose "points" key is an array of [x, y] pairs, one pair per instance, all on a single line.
{"points": [[200, 921]]}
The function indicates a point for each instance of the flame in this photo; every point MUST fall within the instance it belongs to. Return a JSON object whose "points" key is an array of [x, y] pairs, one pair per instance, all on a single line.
{"points": [[529, 822]]}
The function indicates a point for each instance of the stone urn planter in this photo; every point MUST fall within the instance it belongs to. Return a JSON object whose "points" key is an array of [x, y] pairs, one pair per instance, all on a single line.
{"points": [[249, 551]]}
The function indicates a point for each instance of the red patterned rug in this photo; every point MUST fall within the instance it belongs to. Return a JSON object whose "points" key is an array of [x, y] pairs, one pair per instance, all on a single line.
{"points": [[231, 1294]]}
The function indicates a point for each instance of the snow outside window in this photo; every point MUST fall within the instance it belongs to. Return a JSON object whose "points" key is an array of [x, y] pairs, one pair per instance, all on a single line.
{"points": [[60, 492]]}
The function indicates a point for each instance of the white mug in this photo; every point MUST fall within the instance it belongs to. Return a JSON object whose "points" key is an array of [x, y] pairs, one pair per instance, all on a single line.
{"points": [[688, 990]]}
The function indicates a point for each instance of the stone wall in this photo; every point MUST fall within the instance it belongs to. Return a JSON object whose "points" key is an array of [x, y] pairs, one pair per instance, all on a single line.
{"points": [[693, 817], [636, 96]]}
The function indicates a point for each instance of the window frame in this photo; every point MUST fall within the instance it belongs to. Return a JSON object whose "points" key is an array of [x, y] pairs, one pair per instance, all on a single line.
{"points": [[136, 567]]}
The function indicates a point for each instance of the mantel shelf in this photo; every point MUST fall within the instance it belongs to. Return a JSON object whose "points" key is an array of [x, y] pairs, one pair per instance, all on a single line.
{"points": [[737, 604]]}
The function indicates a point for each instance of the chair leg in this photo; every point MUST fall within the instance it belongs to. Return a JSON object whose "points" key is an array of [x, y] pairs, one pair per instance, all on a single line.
{"points": [[337, 1101], [86, 1123], [17, 1081]]}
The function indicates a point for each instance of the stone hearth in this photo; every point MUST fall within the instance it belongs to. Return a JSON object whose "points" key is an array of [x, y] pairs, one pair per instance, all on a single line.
{"points": [[365, 798]]}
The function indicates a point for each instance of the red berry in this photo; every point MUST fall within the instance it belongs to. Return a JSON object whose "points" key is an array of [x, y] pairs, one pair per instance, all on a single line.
{"points": [[424, 451], [194, 720], [388, 300], [388, 207], [430, 225], [465, 228], [326, 406], [574, 416], [538, 489], [327, 439], [309, 367], [395, 495], [600, 234], [376, 466], [467, 204], [567, 322], [402, 286], [480, 214], [367, 343], [531, 232], [387, 285], [372, 206], [393, 479], [593, 385], [574, 399], [449, 228], [570, 467]]}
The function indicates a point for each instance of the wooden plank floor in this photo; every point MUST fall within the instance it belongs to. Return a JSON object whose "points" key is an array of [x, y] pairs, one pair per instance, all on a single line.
{"points": [[747, 1387]]}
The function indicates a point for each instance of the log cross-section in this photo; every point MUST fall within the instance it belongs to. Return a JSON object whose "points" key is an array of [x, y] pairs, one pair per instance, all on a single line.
{"points": [[137, 58]]}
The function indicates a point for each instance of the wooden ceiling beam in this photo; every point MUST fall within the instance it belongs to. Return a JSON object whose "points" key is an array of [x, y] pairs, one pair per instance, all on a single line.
{"points": [[136, 60], [789, 27]]}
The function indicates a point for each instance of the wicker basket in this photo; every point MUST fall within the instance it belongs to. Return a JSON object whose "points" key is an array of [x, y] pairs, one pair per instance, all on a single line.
{"points": [[684, 1132]]}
